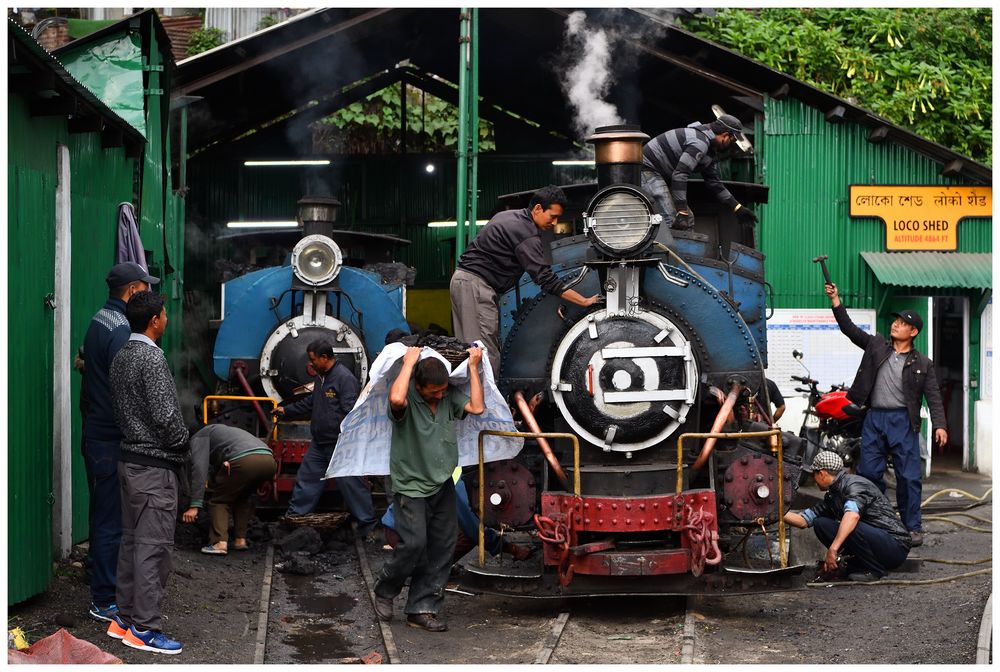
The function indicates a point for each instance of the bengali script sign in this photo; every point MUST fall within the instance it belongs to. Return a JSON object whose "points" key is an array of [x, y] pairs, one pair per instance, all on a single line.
{"points": [[921, 217]]}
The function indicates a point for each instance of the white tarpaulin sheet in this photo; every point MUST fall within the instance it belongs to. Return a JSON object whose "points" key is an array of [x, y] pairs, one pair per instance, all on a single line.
{"points": [[366, 432]]}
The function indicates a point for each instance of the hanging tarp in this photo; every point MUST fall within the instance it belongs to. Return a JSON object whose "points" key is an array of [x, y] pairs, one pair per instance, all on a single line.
{"points": [[129, 243], [112, 70]]}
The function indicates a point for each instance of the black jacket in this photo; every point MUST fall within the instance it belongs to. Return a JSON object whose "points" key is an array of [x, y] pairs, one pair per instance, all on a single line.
{"points": [[334, 395], [875, 508], [918, 373]]}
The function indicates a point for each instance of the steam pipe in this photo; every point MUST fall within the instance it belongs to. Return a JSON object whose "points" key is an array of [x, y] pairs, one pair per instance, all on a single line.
{"points": [[720, 420], [529, 418], [256, 406]]}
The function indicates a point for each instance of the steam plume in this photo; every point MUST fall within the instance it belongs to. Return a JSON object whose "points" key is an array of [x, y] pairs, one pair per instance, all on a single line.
{"points": [[588, 76]]}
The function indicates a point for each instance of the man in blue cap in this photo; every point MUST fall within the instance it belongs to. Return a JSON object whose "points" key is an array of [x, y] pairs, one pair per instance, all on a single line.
{"points": [[107, 333], [891, 379]]}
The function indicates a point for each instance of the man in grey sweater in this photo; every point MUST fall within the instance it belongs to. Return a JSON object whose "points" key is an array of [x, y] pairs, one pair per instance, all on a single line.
{"points": [[154, 446], [238, 463]]}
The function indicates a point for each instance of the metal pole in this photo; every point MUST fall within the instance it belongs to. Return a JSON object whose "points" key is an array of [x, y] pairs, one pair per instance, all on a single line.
{"points": [[474, 128], [461, 177]]}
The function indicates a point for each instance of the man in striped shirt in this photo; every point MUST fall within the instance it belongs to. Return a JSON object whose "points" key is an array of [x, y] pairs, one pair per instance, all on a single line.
{"points": [[669, 159]]}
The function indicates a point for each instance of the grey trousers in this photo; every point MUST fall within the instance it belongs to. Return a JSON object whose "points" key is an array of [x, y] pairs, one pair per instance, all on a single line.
{"points": [[149, 516], [657, 189], [427, 529], [475, 314]]}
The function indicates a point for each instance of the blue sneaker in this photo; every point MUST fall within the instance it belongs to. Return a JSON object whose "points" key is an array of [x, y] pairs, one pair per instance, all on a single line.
{"points": [[150, 640], [103, 613], [118, 628]]}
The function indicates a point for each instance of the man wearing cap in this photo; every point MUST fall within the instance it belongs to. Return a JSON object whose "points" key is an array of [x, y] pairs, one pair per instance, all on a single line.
{"points": [[855, 519], [107, 333], [891, 379], [669, 159]]}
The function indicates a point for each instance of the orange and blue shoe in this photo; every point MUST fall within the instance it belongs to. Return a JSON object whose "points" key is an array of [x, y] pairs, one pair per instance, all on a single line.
{"points": [[117, 628], [150, 640]]}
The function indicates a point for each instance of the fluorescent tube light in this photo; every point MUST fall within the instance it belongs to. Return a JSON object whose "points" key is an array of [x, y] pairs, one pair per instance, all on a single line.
{"points": [[297, 162], [573, 162], [263, 225], [440, 225]]}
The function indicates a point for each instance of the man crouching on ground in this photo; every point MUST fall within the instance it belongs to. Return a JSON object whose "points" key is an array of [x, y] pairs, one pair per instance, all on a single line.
{"points": [[154, 446], [856, 518], [423, 455]]}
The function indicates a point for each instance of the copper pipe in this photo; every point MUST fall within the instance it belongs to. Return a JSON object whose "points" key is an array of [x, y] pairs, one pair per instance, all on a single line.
{"points": [[720, 420], [256, 407], [529, 418]]}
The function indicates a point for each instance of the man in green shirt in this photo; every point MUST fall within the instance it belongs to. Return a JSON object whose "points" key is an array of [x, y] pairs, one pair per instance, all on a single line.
{"points": [[422, 457]]}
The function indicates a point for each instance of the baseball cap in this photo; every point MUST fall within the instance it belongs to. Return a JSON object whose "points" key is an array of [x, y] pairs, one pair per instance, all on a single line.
{"points": [[911, 317], [731, 124], [126, 272], [827, 460]]}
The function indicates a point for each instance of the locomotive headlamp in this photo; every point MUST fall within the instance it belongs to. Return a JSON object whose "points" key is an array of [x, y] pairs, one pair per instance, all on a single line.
{"points": [[316, 260], [621, 221]]}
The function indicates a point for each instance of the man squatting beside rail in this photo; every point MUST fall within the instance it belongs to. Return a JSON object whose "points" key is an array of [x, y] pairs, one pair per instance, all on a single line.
{"points": [[423, 455], [153, 449]]}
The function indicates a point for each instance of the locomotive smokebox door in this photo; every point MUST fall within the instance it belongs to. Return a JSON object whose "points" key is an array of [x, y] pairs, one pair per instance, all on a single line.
{"points": [[624, 382]]}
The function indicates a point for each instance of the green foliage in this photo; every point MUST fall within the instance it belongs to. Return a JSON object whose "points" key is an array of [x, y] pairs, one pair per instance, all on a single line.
{"points": [[266, 22], [204, 39], [372, 125], [928, 69]]}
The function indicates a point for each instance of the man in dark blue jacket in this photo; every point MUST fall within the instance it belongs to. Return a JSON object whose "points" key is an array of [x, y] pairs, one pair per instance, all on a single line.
{"points": [[107, 333], [335, 391], [854, 517], [891, 379]]}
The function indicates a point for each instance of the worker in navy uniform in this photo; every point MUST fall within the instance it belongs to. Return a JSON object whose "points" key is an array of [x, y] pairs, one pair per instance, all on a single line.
{"points": [[107, 333], [335, 391], [855, 519], [891, 379], [669, 159], [507, 247]]}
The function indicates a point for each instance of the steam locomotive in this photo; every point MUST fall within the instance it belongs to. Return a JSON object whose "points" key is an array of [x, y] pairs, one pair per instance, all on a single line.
{"points": [[271, 315], [677, 346]]}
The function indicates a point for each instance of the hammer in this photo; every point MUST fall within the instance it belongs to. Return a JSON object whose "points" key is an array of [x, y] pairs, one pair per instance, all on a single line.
{"points": [[821, 260]]}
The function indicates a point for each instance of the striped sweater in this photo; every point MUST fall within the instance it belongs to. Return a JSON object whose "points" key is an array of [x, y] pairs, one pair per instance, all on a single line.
{"points": [[678, 153], [146, 406]]}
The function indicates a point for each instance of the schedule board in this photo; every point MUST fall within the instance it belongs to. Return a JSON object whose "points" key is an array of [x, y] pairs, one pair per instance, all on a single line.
{"points": [[829, 355]]}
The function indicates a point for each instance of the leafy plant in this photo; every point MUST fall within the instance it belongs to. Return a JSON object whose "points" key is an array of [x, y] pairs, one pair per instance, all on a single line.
{"points": [[927, 69], [374, 125], [204, 39], [266, 22]]}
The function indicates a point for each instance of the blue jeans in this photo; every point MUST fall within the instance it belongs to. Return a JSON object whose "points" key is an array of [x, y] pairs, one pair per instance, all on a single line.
{"points": [[888, 432], [309, 488], [427, 529], [101, 461], [874, 549], [659, 192]]}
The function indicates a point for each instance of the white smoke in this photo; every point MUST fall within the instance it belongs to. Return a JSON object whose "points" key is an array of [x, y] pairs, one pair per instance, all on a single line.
{"points": [[588, 75]]}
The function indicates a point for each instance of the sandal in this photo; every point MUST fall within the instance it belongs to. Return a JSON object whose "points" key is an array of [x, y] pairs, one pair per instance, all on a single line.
{"points": [[212, 550], [245, 547]]}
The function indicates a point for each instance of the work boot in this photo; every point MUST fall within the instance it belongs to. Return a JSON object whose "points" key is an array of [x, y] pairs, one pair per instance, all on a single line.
{"points": [[916, 538], [383, 608], [426, 622], [864, 577]]}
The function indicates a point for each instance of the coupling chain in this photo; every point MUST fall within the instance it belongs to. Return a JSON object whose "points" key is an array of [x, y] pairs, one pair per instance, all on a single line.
{"points": [[704, 540], [557, 533]]}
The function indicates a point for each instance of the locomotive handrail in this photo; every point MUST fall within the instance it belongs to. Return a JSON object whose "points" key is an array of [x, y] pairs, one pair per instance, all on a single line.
{"points": [[236, 397], [776, 448], [482, 473]]}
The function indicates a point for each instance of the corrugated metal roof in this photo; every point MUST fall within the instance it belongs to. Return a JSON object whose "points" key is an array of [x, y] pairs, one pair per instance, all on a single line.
{"points": [[932, 269]]}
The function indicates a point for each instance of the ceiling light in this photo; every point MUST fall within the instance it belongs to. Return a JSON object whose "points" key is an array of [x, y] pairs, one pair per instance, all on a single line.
{"points": [[429, 167], [290, 162], [438, 225], [574, 162], [263, 225]]}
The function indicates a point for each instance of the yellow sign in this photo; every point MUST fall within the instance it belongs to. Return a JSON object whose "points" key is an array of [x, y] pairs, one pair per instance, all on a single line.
{"points": [[921, 218]]}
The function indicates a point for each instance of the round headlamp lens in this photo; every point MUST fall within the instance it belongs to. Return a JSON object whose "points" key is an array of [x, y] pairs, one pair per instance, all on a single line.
{"points": [[316, 260]]}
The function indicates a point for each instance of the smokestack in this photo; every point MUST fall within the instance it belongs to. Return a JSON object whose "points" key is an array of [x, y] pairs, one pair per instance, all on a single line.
{"points": [[618, 152], [317, 214]]}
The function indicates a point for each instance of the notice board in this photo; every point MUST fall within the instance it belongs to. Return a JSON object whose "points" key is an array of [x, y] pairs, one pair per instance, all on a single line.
{"points": [[829, 355]]}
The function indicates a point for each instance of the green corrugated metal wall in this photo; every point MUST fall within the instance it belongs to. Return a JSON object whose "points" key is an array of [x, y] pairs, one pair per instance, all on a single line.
{"points": [[809, 164], [31, 188], [100, 179]]}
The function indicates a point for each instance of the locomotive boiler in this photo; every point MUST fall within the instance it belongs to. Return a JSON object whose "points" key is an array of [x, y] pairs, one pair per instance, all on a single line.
{"points": [[676, 345], [271, 315]]}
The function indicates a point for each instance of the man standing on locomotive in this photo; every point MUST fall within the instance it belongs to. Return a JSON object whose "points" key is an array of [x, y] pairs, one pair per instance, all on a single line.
{"points": [[422, 457], [335, 391], [891, 378], [669, 159], [507, 247], [854, 517]]}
